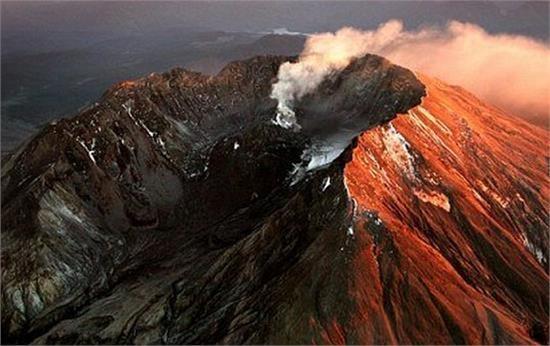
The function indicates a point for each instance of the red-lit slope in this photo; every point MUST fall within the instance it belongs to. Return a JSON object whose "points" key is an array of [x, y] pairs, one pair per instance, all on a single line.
{"points": [[450, 225]]}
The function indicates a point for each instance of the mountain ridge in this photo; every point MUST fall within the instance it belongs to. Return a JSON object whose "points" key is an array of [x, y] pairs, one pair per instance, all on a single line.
{"points": [[170, 158], [174, 211]]}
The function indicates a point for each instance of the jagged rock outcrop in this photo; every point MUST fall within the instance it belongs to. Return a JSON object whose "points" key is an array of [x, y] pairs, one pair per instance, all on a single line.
{"points": [[175, 211]]}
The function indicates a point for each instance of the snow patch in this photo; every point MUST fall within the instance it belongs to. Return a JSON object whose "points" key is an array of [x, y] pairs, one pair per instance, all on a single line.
{"points": [[321, 156], [154, 136], [434, 120], [236, 145], [533, 249], [89, 151], [503, 201], [398, 149], [438, 199], [313, 158], [298, 172], [350, 198], [431, 134], [149, 132], [128, 107], [326, 184]]}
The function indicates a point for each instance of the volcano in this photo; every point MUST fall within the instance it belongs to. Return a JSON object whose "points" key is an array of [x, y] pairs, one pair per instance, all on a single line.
{"points": [[176, 211]]}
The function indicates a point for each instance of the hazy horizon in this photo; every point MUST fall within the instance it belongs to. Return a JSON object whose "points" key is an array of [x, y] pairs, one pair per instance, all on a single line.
{"points": [[59, 56]]}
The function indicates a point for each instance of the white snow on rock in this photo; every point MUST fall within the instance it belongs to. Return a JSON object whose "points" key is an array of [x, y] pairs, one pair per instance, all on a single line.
{"points": [[298, 172], [398, 149], [313, 158], [503, 201], [89, 151], [154, 136], [236, 145], [128, 108], [533, 249], [438, 199], [149, 132], [418, 121], [434, 120], [326, 183], [319, 157]]}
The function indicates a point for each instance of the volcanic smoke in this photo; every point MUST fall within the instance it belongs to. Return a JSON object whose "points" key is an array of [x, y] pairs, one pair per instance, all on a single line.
{"points": [[509, 71]]}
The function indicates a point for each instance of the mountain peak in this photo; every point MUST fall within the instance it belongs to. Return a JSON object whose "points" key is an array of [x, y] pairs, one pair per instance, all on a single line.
{"points": [[175, 210], [158, 167]]}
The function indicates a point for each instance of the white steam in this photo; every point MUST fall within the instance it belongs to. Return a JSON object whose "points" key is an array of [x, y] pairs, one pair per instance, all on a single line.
{"points": [[510, 71], [323, 54]]}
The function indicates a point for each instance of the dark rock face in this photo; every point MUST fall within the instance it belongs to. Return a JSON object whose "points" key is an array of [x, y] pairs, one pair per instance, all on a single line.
{"points": [[175, 211]]}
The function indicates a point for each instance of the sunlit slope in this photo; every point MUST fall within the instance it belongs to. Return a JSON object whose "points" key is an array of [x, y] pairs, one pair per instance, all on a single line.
{"points": [[451, 224]]}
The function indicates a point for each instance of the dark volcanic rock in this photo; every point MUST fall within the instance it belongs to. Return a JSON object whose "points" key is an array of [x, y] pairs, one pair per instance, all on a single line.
{"points": [[175, 211]]}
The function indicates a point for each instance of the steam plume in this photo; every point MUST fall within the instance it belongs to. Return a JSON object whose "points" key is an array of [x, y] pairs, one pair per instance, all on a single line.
{"points": [[510, 71]]}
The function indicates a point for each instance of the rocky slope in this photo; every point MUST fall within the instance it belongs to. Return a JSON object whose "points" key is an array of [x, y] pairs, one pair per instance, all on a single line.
{"points": [[452, 205], [175, 211]]}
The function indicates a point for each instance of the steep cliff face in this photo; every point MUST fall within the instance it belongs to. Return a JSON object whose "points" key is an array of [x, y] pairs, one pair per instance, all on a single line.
{"points": [[452, 228], [175, 211]]}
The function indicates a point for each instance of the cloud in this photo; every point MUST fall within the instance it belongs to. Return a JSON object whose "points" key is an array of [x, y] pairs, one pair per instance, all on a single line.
{"points": [[509, 71]]}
